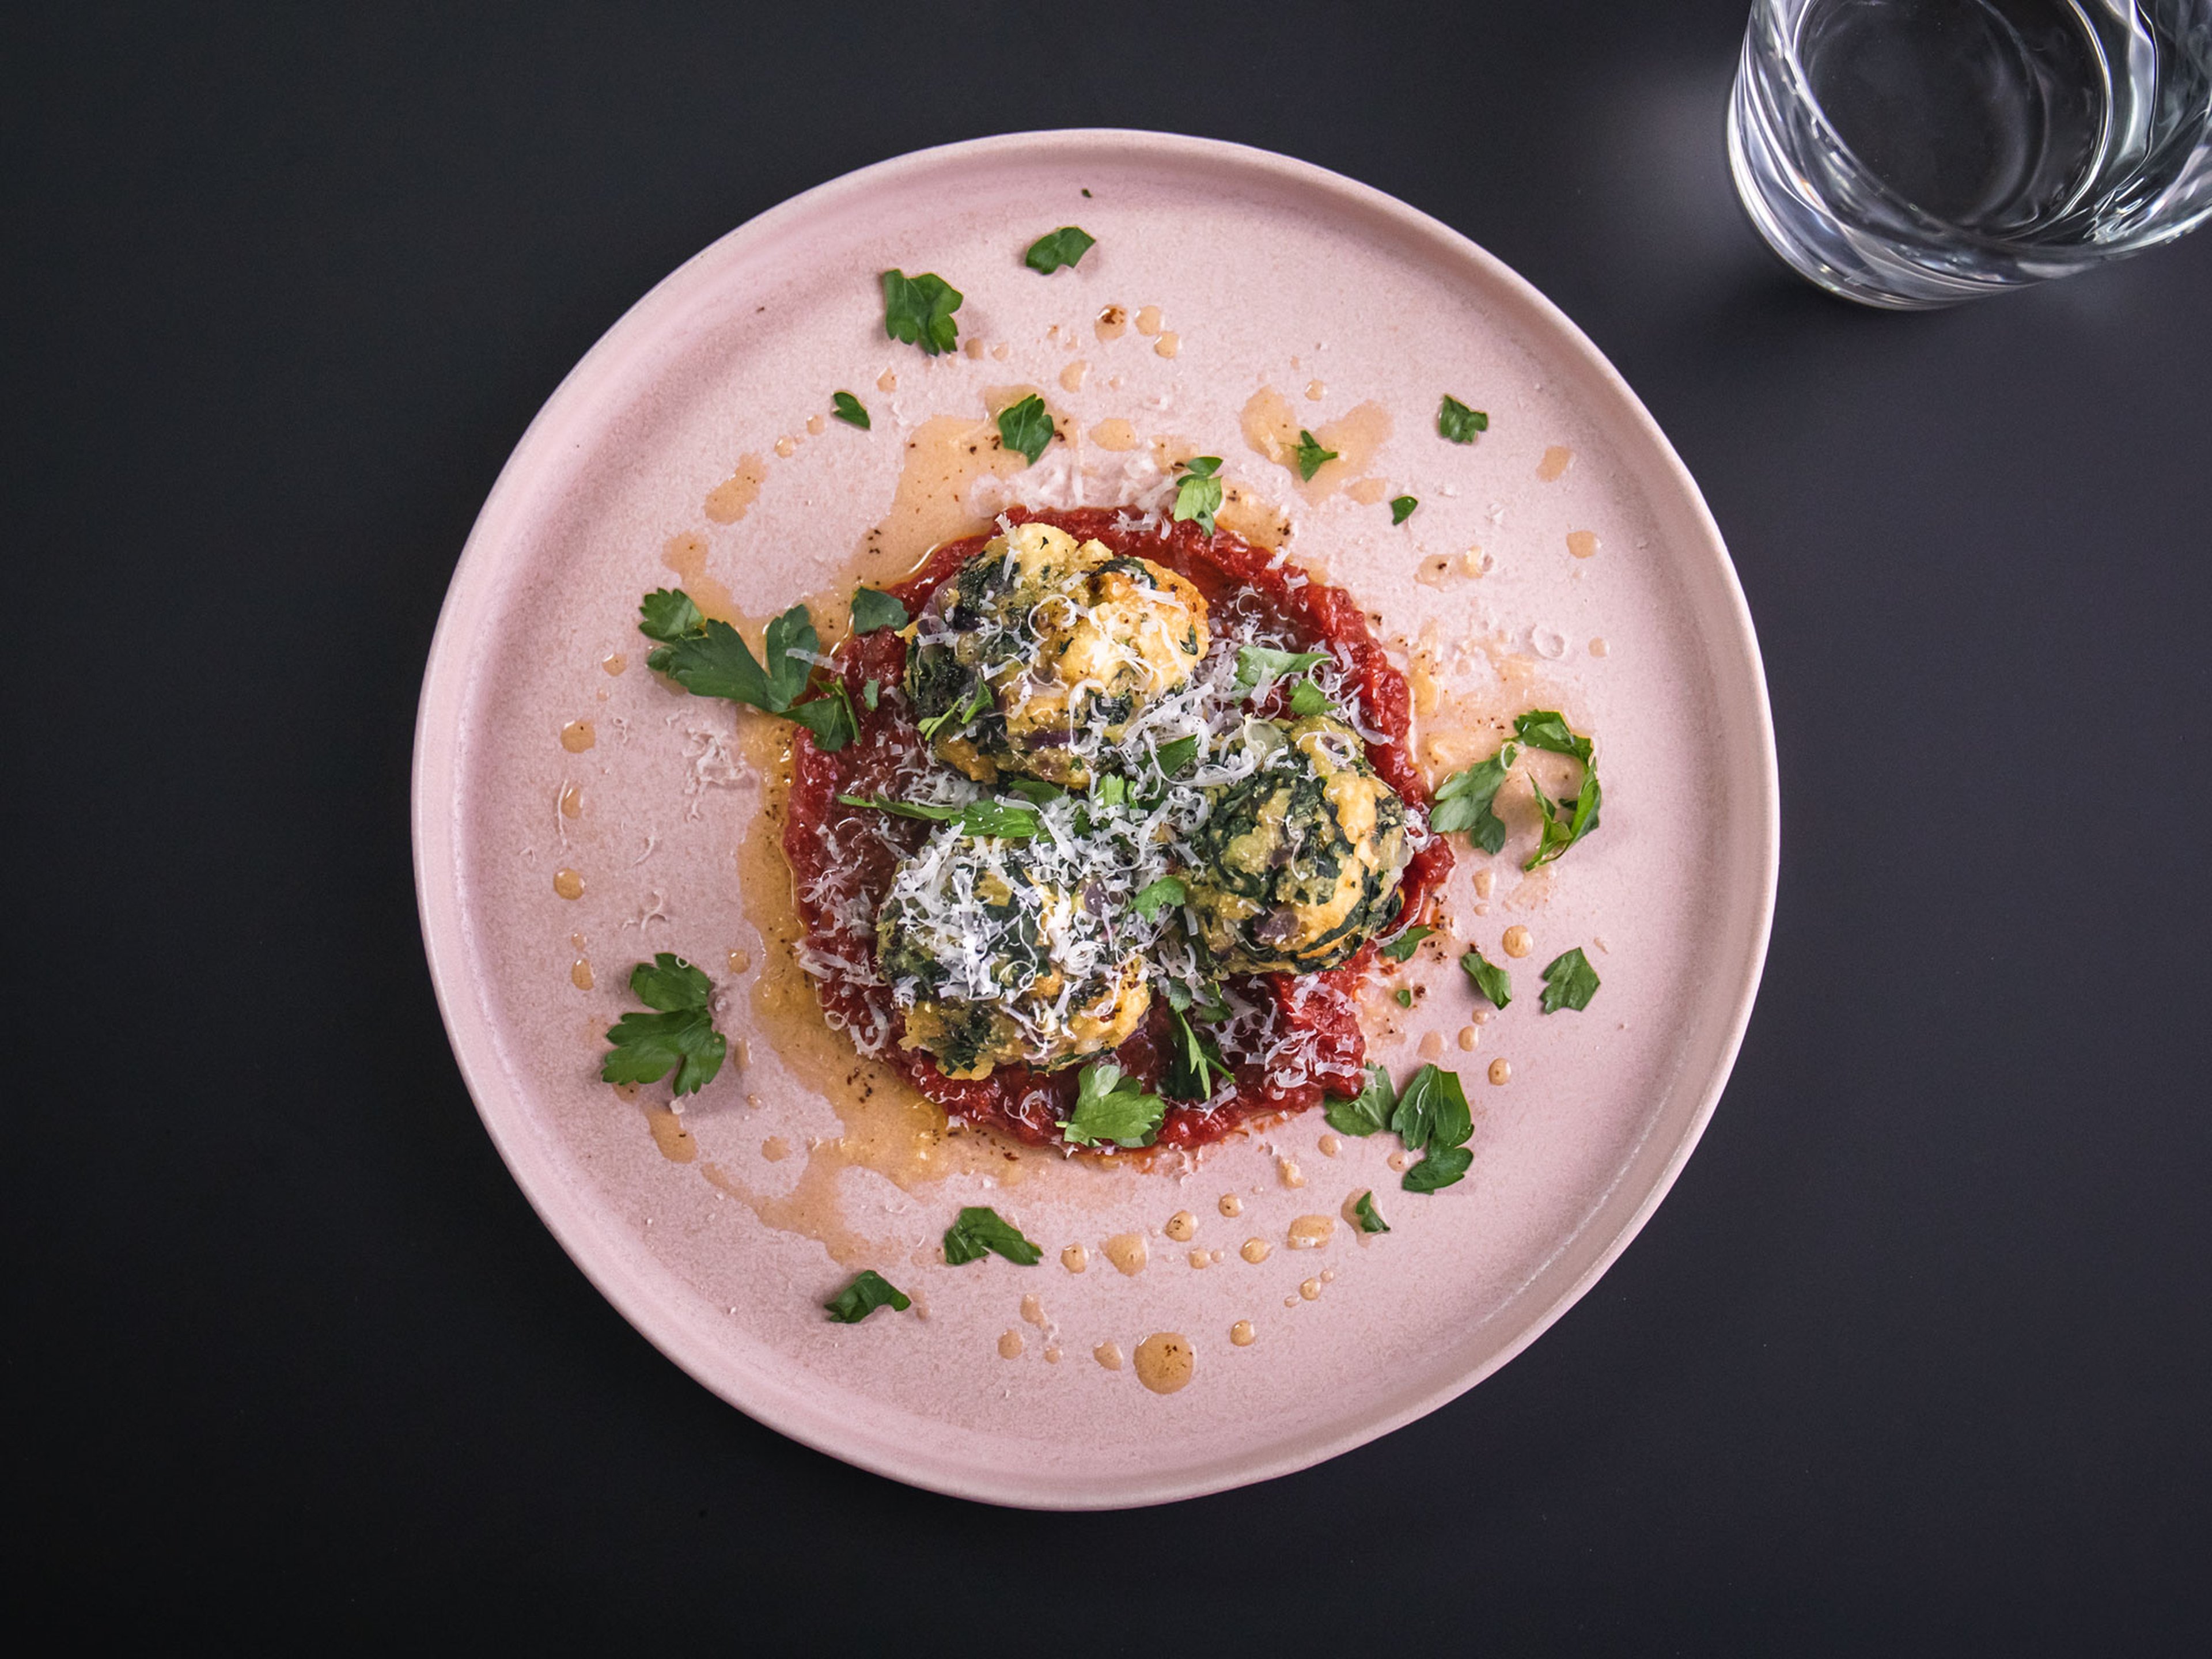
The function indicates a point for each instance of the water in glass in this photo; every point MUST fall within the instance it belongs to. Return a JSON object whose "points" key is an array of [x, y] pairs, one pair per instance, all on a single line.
{"points": [[1914, 152]]}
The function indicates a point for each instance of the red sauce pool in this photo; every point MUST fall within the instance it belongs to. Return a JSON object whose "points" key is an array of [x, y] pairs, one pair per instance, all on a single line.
{"points": [[1025, 1103]]}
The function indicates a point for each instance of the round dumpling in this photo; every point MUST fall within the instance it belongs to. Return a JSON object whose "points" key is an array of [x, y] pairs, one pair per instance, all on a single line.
{"points": [[993, 967], [1041, 649], [1297, 863]]}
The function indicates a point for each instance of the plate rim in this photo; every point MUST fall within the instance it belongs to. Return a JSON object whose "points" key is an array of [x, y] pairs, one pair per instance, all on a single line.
{"points": [[433, 817]]}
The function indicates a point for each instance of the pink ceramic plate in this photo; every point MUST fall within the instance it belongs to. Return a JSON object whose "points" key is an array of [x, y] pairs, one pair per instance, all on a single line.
{"points": [[1564, 560]]}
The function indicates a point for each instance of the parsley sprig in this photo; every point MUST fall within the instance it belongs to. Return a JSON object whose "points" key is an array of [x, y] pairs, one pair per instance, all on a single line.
{"points": [[710, 658], [980, 1232], [1365, 1112], [1309, 455], [1157, 896], [1489, 978], [1112, 1106], [1195, 1061], [1197, 492], [1563, 824], [1464, 800], [679, 1035], [1456, 421], [1007, 820], [919, 311], [1429, 1115], [872, 608], [1570, 982]]}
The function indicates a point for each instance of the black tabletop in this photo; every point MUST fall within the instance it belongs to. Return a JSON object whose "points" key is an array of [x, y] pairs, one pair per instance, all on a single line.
{"points": [[1914, 1357]]}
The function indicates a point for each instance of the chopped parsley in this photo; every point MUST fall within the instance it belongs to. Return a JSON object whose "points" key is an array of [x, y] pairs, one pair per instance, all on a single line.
{"points": [[919, 311], [1005, 819], [1399, 949], [1112, 1106], [1442, 1167], [1364, 1212], [1405, 995], [849, 409], [1255, 663], [679, 1035], [1367, 1112], [1462, 801], [1562, 822], [1197, 492], [1065, 247], [980, 1232], [1026, 427], [1432, 1113], [871, 692], [1309, 455], [709, 659], [1172, 757], [1206, 998], [1195, 1062], [1156, 897], [958, 714], [866, 1293], [872, 608], [1401, 507], [1569, 982], [1455, 421], [1489, 978]]}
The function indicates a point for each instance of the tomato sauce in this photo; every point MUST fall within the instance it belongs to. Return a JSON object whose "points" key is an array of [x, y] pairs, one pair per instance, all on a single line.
{"points": [[830, 844]]}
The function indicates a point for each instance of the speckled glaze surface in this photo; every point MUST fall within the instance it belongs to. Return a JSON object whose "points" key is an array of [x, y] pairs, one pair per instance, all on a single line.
{"points": [[1270, 273]]}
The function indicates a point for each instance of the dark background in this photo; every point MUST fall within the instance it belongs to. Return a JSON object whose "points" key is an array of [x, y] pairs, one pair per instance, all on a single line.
{"points": [[1915, 1358]]}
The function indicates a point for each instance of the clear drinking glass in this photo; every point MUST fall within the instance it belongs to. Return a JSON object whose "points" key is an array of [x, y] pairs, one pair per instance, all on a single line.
{"points": [[1916, 153]]}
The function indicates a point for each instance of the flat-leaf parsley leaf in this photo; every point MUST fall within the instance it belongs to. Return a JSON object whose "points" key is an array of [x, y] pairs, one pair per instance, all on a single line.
{"points": [[679, 1035], [1256, 663], [1026, 427], [1455, 421], [1462, 801], [1569, 982], [849, 409], [1365, 1214], [919, 311], [708, 658], [872, 608], [1064, 246], [1489, 978], [1157, 896], [1401, 507], [1195, 1062], [1442, 1167], [981, 1230], [1405, 945], [1367, 1112], [1433, 1113]]}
